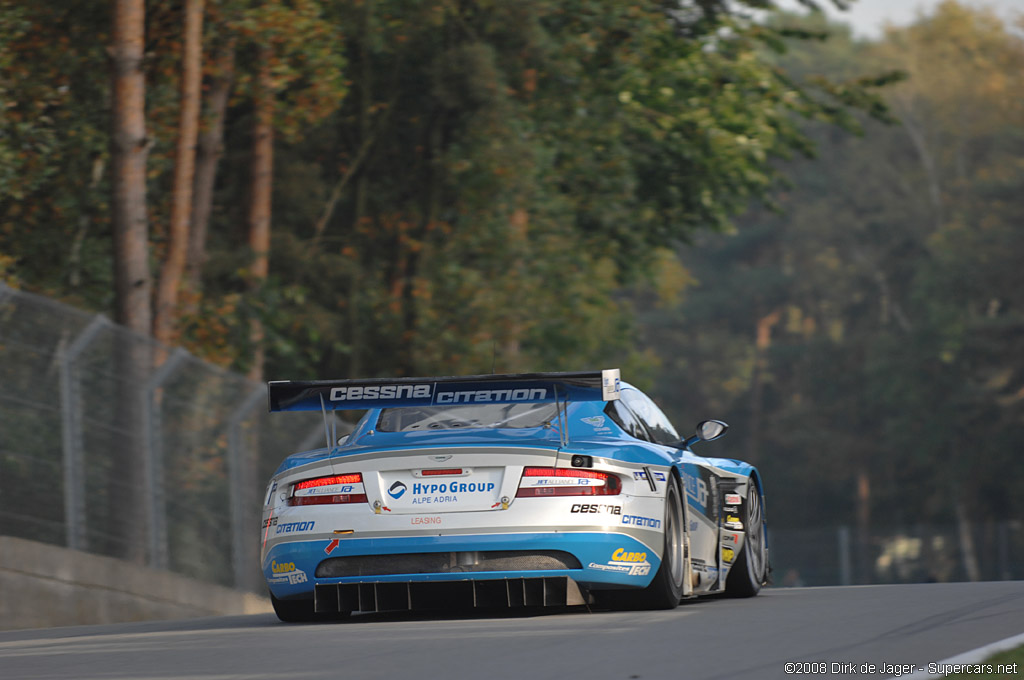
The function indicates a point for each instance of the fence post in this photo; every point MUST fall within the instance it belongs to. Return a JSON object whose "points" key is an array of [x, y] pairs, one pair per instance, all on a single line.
{"points": [[71, 435], [845, 565], [240, 528], [156, 519], [1003, 543]]}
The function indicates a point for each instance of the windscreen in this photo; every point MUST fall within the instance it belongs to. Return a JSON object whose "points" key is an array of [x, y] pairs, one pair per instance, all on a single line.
{"points": [[466, 416]]}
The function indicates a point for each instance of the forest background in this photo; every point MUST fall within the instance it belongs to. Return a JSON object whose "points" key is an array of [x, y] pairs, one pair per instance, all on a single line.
{"points": [[758, 218]]}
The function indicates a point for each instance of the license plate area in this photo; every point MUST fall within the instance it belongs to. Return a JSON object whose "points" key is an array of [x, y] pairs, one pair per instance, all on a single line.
{"points": [[409, 491]]}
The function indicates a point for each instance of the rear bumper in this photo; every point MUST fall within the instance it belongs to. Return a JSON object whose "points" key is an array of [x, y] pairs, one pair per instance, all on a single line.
{"points": [[605, 559]]}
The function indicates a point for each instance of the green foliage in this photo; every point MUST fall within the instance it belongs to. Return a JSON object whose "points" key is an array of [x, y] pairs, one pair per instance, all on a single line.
{"points": [[459, 187], [307, 63], [525, 160], [53, 148], [890, 286]]}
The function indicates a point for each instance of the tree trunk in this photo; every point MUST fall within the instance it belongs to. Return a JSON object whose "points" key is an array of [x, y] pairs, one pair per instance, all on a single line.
{"points": [[211, 147], [519, 228], [261, 182], [165, 312], [355, 318], [968, 553], [132, 281], [919, 140], [762, 344], [864, 553], [409, 268]]}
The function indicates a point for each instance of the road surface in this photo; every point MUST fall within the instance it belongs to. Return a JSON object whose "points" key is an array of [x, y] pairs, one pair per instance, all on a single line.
{"points": [[888, 626]]}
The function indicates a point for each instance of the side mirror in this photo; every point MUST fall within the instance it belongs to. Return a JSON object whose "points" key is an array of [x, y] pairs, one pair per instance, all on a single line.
{"points": [[710, 430], [707, 431]]}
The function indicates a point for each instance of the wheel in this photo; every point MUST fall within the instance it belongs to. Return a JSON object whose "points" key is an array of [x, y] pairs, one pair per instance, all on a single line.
{"points": [[750, 571], [666, 589], [301, 611]]}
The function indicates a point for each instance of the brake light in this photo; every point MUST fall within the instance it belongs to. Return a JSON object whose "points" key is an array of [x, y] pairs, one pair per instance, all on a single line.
{"points": [[331, 490], [441, 473], [547, 482], [356, 478]]}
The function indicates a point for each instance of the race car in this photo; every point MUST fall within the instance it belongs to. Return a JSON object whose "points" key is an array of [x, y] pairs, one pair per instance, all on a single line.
{"points": [[518, 490]]}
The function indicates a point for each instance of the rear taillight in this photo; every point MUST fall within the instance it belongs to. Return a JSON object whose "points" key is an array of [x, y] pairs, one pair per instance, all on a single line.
{"points": [[547, 482], [329, 490]]}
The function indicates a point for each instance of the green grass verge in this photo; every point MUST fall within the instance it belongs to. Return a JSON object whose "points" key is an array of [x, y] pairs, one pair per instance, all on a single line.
{"points": [[1011, 662]]}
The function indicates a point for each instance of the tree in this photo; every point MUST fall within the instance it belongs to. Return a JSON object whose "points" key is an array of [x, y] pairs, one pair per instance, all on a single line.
{"points": [[166, 302], [208, 154], [959, 114], [884, 293], [131, 251], [128, 159], [262, 164]]}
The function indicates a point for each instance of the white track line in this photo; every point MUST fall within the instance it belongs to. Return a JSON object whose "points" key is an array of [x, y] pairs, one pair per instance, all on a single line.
{"points": [[970, 657]]}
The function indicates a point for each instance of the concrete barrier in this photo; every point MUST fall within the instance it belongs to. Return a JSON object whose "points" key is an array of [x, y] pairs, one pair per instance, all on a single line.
{"points": [[44, 585]]}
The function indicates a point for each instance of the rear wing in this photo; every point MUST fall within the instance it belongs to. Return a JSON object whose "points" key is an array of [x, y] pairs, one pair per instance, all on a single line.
{"points": [[516, 388]]}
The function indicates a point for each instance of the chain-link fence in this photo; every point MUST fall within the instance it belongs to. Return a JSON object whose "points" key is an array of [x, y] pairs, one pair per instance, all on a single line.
{"points": [[992, 551], [116, 445], [113, 444]]}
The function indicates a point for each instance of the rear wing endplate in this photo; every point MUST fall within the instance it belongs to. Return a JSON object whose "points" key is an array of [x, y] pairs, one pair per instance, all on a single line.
{"points": [[516, 388]]}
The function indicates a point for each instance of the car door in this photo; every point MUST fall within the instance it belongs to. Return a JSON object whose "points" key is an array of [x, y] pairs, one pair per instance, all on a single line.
{"points": [[701, 487]]}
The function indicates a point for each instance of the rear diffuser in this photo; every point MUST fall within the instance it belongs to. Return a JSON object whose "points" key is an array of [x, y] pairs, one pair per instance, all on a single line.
{"points": [[554, 591]]}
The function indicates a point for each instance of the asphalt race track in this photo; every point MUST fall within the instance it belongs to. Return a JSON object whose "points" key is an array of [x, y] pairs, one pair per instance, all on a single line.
{"points": [[717, 638]]}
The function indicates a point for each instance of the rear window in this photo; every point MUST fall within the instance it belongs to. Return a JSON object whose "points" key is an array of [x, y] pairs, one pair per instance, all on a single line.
{"points": [[465, 416]]}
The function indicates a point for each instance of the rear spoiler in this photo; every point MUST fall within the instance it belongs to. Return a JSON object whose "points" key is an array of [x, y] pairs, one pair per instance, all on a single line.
{"points": [[516, 388]]}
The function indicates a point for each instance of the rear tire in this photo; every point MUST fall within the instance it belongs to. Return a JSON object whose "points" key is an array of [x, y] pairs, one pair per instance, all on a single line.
{"points": [[666, 590], [750, 571]]}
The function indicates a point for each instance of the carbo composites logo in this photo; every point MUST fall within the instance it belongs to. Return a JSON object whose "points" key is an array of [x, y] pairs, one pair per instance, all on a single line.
{"points": [[397, 490]]}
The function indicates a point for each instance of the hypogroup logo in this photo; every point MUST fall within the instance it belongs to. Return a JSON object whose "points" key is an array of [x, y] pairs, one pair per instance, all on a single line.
{"points": [[397, 490]]}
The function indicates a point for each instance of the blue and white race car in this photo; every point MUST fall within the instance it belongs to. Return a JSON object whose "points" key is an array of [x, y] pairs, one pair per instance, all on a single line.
{"points": [[504, 491]]}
